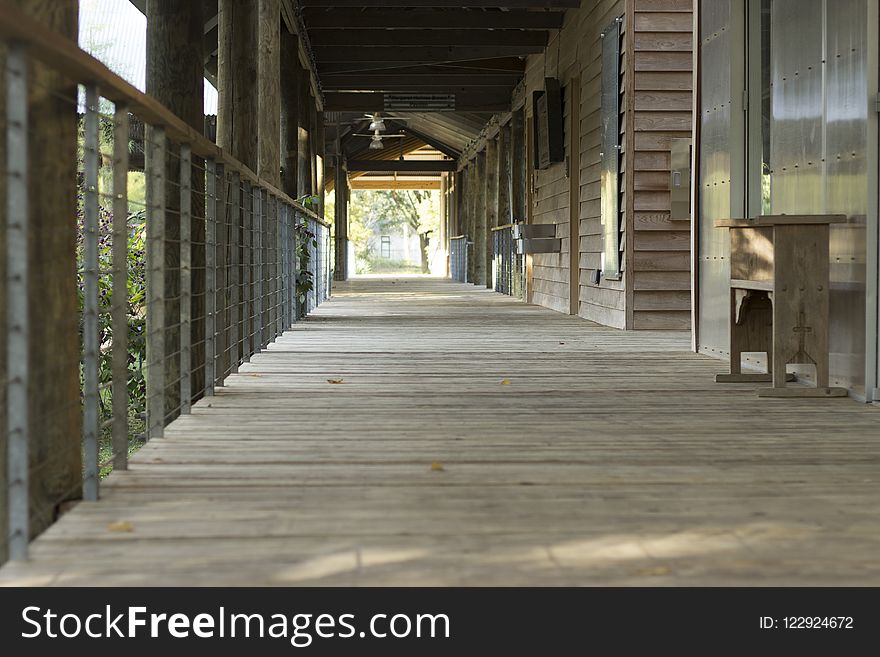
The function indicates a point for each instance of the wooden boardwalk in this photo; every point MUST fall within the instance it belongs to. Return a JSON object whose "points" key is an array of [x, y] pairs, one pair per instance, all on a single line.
{"points": [[567, 454]]}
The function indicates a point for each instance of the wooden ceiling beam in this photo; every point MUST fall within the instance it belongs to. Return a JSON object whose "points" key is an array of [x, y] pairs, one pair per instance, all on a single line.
{"points": [[415, 82], [505, 65], [416, 166], [340, 101], [468, 4], [417, 37], [413, 55], [318, 18]]}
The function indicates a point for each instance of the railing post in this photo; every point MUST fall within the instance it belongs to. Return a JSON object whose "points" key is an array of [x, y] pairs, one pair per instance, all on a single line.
{"points": [[247, 273], [277, 212], [294, 261], [221, 306], [91, 269], [185, 278], [156, 281], [234, 275], [259, 205], [210, 273], [17, 342], [119, 310]]}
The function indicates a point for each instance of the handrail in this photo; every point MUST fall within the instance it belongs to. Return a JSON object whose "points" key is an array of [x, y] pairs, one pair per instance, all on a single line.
{"points": [[504, 227], [65, 56]]}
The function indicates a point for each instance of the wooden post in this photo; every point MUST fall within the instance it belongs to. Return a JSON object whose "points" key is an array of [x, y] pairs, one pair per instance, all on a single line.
{"points": [[574, 211], [304, 117], [340, 220], [444, 223], [518, 165], [237, 76], [491, 177], [320, 148], [269, 91], [52, 414], [480, 221], [175, 72], [290, 90], [470, 209], [504, 171]]}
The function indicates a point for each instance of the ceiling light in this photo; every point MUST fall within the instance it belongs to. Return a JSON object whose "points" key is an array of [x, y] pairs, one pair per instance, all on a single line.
{"points": [[376, 144], [377, 124]]}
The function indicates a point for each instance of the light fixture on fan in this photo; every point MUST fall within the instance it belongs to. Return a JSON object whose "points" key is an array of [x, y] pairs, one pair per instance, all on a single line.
{"points": [[377, 123], [376, 142]]}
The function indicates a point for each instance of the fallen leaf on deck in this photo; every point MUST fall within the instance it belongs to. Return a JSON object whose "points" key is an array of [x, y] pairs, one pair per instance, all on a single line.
{"points": [[561, 343], [335, 381], [505, 382], [437, 467], [120, 526], [257, 375]]}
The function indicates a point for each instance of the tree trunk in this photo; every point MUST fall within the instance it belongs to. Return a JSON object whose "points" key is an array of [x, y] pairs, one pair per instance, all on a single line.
{"points": [[423, 251]]}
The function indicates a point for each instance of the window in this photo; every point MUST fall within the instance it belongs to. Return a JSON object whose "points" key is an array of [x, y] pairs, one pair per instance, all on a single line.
{"points": [[611, 151]]}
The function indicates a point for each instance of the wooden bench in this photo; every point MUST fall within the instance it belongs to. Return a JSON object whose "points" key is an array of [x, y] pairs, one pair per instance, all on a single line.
{"points": [[779, 280]]}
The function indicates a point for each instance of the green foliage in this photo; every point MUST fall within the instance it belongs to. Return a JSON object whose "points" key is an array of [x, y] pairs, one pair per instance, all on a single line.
{"points": [[135, 311], [305, 240], [373, 213]]}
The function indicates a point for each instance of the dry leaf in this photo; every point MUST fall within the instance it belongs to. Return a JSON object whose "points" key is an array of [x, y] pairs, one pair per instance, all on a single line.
{"points": [[505, 382], [437, 467], [561, 343], [254, 375], [335, 381], [120, 526]]}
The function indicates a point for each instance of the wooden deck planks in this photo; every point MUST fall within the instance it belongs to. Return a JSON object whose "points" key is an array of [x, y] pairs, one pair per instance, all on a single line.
{"points": [[610, 458]]}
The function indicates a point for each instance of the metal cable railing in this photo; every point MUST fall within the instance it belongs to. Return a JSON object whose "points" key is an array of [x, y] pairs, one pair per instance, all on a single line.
{"points": [[181, 268], [507, 264], [458, 258]]}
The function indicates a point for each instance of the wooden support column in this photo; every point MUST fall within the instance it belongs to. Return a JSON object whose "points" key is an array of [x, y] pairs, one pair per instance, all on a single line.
{"points": [[480, 221], [304, 118], [444, 222], [491, 177], [237, 116], [237, 77], [574, 216], [471, 199], [290, 90], [269, 91], [518, 165], [175, 77], [320, 148], [504, 181], [340, 220], [53, 392]]}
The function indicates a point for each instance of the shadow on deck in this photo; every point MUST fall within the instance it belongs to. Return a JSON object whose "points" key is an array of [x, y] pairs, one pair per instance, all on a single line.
{"points": [[567, 453]]}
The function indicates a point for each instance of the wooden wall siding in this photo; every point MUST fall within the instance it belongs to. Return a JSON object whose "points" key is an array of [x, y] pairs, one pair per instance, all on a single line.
{"points": [[656, 106], [576, 51], [662, 110]]}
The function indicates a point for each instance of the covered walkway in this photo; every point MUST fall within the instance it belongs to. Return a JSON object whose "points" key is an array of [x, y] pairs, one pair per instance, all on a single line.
{"points": [[469, 439]]}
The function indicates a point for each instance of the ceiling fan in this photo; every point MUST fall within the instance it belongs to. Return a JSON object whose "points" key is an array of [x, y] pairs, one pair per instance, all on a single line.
{"points": [[377, 125]]}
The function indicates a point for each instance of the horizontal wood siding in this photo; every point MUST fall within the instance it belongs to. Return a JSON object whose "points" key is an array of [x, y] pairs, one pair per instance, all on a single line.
{"points": [[663, 84], [575, 51]]}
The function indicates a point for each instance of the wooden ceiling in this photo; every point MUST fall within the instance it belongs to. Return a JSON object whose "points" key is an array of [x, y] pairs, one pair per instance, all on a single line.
{"points": [[470, 52]]}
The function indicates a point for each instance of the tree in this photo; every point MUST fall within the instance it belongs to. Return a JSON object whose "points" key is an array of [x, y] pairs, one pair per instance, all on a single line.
{"points": [[386, 210]]}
